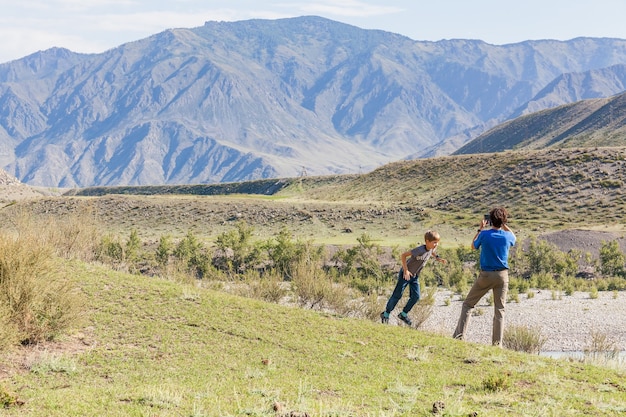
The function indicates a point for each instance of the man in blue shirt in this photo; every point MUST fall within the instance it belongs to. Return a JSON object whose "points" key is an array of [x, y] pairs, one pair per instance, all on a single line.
{"points": [[494, 245]]}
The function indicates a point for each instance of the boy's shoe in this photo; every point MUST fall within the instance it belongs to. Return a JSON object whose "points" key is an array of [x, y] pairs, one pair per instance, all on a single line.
{"points": [[384, 317], [405, 318]]}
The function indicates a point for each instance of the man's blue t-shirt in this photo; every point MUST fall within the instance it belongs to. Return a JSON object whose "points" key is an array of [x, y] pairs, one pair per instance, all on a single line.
{"points": [[494, 245]]}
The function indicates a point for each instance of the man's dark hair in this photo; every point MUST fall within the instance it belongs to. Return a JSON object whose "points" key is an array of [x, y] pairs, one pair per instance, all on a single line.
{"points": [[498, 216]]}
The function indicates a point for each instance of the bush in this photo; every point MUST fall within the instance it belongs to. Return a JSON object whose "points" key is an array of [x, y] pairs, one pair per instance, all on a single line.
{"points": [[285, 254], [544, 280], [313, 288], [74, 236], [8, 399], [496, 383], [164, 250], [424, 307], [371, 306], [601, 346], [523, 339], [38, 303], [133, 245], [543, 257], [611, 259], [362, 264], [270, 287], [110, 250], [192, 253], [236, 251], [520, 284]]}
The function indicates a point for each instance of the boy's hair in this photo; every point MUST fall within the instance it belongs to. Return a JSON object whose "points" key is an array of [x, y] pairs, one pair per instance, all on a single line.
{"points": [[498, 216], [432, 236]]}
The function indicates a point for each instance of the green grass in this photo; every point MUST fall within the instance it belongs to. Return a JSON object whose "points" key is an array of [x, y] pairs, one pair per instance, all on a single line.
{"points": [[158, 348]]}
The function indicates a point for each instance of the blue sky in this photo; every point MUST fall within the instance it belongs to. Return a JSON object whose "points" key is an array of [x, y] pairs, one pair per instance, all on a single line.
{"points": [[27, 26]]}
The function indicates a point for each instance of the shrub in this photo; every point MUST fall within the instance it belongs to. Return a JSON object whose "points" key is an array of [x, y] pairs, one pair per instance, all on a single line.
{"points": [[520, 284], [110, 250], [8, 399], [544, 280], [458, 277], [269, 287], [362, 262], [284, 253], [164, 250], [38, 303], [177, 271], [192, 253], [133, 245], [74, 236], [236, 251], [601, 346], [371, 306], [611, 259], [424, 307], [312, 286], [523, 339], [543, 257], [496, 383]]}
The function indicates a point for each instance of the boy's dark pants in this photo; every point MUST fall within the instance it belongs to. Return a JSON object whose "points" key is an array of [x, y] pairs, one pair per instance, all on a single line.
{"points": [[414, 292]]}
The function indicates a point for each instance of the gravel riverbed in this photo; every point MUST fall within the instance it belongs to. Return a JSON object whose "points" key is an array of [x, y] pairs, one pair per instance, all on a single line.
{"points": [[566, 321]]}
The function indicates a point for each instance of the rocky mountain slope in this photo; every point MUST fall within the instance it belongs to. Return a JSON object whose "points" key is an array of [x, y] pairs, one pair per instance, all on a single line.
{"points": [[273, 98]]}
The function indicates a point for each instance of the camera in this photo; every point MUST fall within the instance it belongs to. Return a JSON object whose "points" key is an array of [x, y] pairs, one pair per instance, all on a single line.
{"points": [[487, 219]]}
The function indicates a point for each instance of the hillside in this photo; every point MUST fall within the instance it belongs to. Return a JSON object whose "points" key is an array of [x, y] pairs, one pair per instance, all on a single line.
{"points": [[155, 347], [241, 101], [543, 187], [586, 123], [571, 197]]}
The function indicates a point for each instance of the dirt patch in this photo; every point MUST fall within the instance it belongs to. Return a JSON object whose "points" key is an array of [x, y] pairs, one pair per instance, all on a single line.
{"points": [[25, 358], [584, 240]]}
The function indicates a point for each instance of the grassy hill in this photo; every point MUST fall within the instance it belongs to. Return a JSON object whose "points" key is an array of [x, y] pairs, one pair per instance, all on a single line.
{"points": [[583, 124], [544, 190], [579, 184], [150, 347]]}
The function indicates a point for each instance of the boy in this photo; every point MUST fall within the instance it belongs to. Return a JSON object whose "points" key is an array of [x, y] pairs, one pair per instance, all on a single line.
{"points": [[412, 263]]}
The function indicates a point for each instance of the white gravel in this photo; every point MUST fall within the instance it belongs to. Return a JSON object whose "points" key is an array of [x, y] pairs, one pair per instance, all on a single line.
{"points": [[567, 321]]}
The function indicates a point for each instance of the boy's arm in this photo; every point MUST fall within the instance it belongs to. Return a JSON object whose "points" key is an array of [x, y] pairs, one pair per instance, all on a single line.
{"points": [[439, 259], [403, 258]]}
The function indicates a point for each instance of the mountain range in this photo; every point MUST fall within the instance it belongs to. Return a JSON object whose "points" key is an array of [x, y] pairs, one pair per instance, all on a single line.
{"points": [[236, 101]]}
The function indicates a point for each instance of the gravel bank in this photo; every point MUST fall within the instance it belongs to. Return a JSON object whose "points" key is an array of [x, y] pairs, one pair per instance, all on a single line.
{"points": [[567, 321]]}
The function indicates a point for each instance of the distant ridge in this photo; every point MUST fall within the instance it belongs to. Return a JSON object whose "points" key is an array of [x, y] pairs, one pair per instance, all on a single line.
{"points": [[586, 123]]}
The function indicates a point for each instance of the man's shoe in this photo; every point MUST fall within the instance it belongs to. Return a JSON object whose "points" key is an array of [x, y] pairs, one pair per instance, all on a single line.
{"points": [[405, 318], [384, 317]]}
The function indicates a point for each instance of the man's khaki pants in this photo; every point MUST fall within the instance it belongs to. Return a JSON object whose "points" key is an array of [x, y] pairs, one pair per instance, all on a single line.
{"points": [[498, 281]]}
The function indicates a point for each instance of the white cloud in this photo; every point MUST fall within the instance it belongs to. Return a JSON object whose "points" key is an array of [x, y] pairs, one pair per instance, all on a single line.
{"points": [[351, 8]]}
